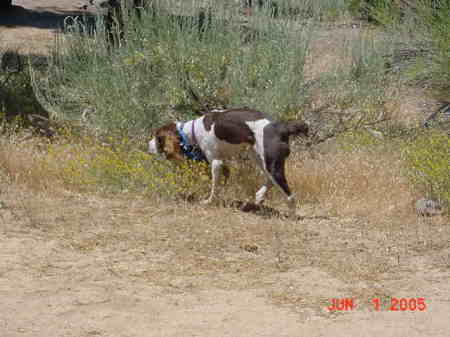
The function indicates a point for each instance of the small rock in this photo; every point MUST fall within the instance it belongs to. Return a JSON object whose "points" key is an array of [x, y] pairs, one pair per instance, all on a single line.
{"points": [[250, 247], [375, 133], [428, 207]]}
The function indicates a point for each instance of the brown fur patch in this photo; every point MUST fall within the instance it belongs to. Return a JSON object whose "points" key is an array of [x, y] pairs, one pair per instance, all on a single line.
{"points": [[234, 132], [235, 116]]}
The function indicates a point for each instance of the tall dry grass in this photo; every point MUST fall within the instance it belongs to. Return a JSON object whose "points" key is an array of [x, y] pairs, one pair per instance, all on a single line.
{"points": [[358, 182], [21, 158]]}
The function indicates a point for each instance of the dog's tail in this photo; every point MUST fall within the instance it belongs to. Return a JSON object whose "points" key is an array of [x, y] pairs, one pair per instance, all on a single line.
{"points": [[293, 128]]}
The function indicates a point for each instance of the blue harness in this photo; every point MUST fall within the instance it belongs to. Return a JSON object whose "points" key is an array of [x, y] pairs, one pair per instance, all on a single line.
{"points": [[191, 151]]}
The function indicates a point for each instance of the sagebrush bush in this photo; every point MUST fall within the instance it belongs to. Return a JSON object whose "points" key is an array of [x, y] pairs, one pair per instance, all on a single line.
{"points": [[428, 163], [364, 86], [423, 30], [306, 9], [434, 26], [169, 67], [375, 10], [167, 64]]}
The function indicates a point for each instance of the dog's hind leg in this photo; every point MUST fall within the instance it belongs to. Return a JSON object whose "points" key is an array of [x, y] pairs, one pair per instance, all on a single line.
{"points": [[216, 169], [276, 172], [226, 174], [261, 193]]}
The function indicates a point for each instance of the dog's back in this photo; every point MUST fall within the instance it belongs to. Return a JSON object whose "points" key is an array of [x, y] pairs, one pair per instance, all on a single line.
{"points": [[246, 126]]}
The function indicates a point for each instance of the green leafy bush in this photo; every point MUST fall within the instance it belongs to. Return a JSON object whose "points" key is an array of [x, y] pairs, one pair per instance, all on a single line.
{"points": [[423, 29], [428, 162], [167, 68], [433, 27], [375, 10]]}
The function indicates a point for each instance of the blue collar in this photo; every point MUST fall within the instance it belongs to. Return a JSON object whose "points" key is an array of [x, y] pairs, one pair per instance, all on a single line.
{"points": [[189, 150]]}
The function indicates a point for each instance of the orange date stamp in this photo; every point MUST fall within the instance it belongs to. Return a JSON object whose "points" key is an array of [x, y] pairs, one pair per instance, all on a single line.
{"points": [[395, 304]]}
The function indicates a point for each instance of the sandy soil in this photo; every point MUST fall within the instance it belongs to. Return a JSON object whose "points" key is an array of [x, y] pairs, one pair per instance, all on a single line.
{"points": [[84, 265], [80, 265]]}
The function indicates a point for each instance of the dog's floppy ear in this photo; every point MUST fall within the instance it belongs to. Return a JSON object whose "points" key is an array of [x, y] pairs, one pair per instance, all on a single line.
{"points": [[167, 142], [158, 140], [159, 143]]}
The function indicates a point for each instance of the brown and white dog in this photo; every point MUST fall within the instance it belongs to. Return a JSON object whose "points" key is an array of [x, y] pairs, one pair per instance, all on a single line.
{"points": [[223, 134]]}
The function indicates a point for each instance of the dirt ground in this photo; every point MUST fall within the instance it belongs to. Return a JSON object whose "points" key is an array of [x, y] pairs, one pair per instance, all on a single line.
{"points": [[81, 265], [88, 265], [31, 25]]}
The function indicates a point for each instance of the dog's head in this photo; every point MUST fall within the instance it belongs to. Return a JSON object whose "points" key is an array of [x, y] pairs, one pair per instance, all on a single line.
{"points": [[166, 142]]}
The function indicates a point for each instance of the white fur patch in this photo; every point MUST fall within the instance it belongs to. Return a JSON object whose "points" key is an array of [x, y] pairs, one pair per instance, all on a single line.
{"points": [[257, 128]]}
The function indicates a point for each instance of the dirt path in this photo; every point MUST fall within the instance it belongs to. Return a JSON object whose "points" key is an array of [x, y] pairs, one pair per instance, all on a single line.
{"points": [[84, 266], [31, 25]]}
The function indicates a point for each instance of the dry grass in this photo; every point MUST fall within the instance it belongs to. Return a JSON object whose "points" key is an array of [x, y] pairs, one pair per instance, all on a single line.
{"points": [[356, 183], [367, 182], [21, 158]]}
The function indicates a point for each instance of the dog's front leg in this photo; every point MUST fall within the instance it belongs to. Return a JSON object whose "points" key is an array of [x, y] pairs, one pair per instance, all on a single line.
{"points": [[216, 168]]}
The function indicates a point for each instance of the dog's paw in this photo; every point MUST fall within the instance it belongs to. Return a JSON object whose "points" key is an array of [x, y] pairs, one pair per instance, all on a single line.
{"points": [[206, 201]]}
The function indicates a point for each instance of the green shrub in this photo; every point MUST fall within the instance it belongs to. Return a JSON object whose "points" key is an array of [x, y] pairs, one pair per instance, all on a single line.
{"points": [[359, 89], [378, 11], [18, 102], [166, 65], [312, 9], [433, 27], [423, 30], [428, 162], [167, 70]]}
